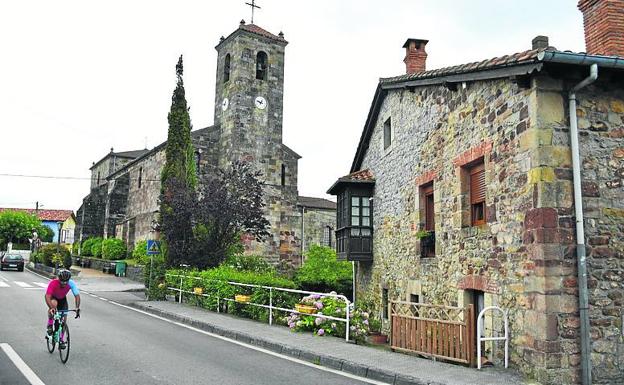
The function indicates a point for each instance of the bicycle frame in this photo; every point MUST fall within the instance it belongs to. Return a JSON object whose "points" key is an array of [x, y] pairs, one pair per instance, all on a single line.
{"points": [[60, 329]]}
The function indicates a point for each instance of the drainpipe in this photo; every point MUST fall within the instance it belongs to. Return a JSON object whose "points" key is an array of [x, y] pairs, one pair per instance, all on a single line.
{"points": [[302, 232], [581, 256]]}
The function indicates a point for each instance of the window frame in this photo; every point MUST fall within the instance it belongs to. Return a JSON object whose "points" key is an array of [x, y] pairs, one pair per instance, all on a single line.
{"points": [[387, 134], [262, 65], [227, 66], [477, 199]]}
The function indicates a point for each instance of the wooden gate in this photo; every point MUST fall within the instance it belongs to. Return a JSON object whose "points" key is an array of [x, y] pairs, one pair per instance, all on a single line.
{"points": [[442, 332]]}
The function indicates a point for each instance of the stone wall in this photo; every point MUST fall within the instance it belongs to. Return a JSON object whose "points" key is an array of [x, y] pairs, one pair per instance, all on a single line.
{"points": [[316, 222], [523, 257]]}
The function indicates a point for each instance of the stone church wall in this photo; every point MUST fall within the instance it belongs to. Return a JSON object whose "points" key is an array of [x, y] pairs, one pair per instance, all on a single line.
{"points": [[319, 228], [523, 257]]}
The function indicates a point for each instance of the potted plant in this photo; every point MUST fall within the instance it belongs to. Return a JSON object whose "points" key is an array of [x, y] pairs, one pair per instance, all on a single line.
{"points": [[376, 337], [309, 304]]}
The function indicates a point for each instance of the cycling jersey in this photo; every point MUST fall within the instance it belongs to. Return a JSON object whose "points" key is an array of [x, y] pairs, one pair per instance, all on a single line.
{"points": [[57, 291]]}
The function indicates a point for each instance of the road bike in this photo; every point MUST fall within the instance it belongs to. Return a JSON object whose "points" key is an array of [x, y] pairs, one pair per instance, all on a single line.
{"points": [[60, 335]]}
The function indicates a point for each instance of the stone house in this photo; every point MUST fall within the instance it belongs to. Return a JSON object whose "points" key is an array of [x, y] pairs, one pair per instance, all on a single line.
{"points": [[462, 192], [125, 186]]}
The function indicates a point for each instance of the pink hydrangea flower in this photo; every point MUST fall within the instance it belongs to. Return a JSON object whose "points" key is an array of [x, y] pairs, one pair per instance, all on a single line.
{"points": [[320, 332]]}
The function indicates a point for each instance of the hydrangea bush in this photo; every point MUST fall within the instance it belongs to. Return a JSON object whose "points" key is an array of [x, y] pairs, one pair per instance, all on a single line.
{"points": [[321, 326]]}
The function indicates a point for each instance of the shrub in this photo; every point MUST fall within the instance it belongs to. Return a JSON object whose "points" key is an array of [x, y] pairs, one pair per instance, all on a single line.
{"points": [[47, 254], [96, 247], [215, 283], [253, 263], [85, 249], [113, 248], [322, 272]]}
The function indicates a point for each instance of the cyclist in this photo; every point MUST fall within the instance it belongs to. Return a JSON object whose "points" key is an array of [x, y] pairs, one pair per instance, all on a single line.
{"points": [[56, 298]]}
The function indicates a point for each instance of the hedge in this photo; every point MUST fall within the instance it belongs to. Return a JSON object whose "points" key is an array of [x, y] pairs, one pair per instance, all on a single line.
{"points": [[322, 272], [113, 248]]}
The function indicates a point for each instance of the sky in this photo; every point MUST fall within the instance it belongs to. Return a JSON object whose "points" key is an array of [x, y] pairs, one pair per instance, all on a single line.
{"points": [[80, 77]]}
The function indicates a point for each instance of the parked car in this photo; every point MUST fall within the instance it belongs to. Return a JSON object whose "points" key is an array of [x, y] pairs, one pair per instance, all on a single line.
{"points": [[12, 261]]}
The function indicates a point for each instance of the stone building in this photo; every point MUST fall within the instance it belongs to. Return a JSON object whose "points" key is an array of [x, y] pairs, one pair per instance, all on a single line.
{"points": [[125, 186], [462, 192]]}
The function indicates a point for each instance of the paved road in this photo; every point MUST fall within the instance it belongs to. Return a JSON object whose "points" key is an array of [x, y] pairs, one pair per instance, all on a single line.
{"points": [[112, 344]]}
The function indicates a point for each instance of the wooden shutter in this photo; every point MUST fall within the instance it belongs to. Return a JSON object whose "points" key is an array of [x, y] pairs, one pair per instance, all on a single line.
{"points": [[427, 191], [477, 184]]}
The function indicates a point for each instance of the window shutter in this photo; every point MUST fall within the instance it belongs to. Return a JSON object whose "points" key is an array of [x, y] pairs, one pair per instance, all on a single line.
{"points": [[477, 184], [429, 221]]}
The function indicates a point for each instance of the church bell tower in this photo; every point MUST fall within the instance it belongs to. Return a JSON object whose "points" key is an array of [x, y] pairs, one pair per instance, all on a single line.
{"points": [[249, 98]]}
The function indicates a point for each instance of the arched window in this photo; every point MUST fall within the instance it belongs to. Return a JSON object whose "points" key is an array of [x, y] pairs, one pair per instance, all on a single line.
{"points": [[261, 65], [283, 175], [226, 69], [140, 176]]}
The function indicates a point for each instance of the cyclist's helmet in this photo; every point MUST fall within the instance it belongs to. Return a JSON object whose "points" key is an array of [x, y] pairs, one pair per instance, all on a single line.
{"points": [[64, 275]]}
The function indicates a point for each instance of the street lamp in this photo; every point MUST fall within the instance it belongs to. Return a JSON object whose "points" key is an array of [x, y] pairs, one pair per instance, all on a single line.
{"points": [[58, 241]]}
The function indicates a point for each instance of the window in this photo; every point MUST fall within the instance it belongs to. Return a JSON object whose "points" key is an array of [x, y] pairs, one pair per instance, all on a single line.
{"points": [[283, 175], [477, 193], [384, 303], [197, 161], [387, 134], [414, 298], [326, 241], [226, 69], [98, 178], [261, 66], [427, 243], [360, 216], [140, 176]]}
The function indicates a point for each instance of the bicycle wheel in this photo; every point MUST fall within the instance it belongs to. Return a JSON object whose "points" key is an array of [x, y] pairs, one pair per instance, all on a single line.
{"points": [[64, 353], [51, 343]]}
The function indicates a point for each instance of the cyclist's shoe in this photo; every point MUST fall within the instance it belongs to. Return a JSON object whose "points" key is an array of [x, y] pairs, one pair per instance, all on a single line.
{"points": [[50, 331], [62, 345]]}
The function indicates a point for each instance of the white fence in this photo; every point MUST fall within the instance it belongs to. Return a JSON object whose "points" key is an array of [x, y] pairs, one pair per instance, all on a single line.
{"points": [[270, 305]]}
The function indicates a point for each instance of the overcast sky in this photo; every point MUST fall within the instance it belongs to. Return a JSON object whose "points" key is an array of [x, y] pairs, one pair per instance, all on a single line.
{"points": [[80, 77]]}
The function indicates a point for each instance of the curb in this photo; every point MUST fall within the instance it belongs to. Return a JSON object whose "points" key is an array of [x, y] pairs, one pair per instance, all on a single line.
{"points": [[302, 354]]}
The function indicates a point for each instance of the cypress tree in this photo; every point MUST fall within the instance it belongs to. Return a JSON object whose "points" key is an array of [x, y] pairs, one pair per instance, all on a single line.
{"points": [[178, 179]]}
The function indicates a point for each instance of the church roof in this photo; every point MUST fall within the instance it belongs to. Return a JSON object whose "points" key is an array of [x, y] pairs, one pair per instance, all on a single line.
{"points": [[124, 154], [317, 203]]}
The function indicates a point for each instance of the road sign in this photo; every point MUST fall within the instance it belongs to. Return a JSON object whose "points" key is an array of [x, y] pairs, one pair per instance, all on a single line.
{"points": [[153, 247]]}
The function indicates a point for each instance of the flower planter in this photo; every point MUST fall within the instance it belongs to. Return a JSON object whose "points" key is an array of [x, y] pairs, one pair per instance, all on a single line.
{"points": [[242, 298], [305, 309], [378, 339]]}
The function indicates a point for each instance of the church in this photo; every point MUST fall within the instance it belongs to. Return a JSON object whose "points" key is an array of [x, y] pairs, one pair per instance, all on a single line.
{"points": [[123, 201]]}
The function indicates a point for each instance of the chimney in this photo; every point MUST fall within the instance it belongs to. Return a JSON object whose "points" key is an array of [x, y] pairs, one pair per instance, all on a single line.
{"points": [[540, 42], [415, 55], [604, 26]]}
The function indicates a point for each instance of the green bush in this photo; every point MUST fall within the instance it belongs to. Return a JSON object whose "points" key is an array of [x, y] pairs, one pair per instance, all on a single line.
{"points": [[85, 249], [214, 282], [322, 272], [47, 254], [96, 247], [113, 248], [253, 263]]}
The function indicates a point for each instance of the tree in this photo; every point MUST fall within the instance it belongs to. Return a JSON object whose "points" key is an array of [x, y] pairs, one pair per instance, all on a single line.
{"points": [[178, 178], [18, 227], [230, 204]]}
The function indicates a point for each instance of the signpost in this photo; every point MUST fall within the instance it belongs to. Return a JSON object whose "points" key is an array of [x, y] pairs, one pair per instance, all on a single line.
{"points": [[153, 248]]}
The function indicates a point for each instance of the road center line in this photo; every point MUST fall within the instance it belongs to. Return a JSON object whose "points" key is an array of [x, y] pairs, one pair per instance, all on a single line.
{"points": [[292, 359], [21, 365]]}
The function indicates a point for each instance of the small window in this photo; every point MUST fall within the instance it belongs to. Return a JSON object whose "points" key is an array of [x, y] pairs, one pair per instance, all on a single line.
{"points": [[384, 303], [477, 193], [427, 242], [387, 134], [140, 176], [98, 178], [197, 161], [283, 175], [326, 241], [414, 298], [226, 69], [261, 65]]}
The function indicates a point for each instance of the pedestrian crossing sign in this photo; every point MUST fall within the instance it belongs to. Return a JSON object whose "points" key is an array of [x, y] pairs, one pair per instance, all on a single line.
{"points": [[153, 247]]}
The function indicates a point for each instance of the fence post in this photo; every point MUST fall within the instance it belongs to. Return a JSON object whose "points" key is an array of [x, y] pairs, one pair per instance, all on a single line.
{"points": [[270, 306], [218, 305], [180, 299], [348, 314]]}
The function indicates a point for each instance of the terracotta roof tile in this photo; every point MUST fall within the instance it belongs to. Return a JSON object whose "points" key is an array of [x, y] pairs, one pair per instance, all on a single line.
{"points": [[44, 215], [360, 175], [260, 31]]}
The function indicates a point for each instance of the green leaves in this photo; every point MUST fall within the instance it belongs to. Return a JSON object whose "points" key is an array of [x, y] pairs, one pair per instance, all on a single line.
{"points": [[18, 226], [322, 272]]}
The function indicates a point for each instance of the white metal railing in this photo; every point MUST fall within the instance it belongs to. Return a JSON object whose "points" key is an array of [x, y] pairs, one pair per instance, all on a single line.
{"points": [[270, 305], [479, 338]]}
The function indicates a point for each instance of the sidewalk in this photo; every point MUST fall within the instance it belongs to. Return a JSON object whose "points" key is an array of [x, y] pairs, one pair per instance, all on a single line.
{"points": [[91, 280], [377, 364]]}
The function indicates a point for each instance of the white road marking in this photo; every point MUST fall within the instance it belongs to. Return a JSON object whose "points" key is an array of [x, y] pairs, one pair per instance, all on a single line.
{"points": [[22, 284], [21, 365], [41, 284], [296, 360], [4, 284], [4, 279]]}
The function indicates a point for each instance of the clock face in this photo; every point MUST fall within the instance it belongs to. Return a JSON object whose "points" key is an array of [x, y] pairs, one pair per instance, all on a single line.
{"points": [[260, 102], [224, 104]]}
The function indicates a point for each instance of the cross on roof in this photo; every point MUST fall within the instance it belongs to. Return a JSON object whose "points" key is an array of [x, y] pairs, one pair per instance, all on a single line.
{"points": [[252, 5]]}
